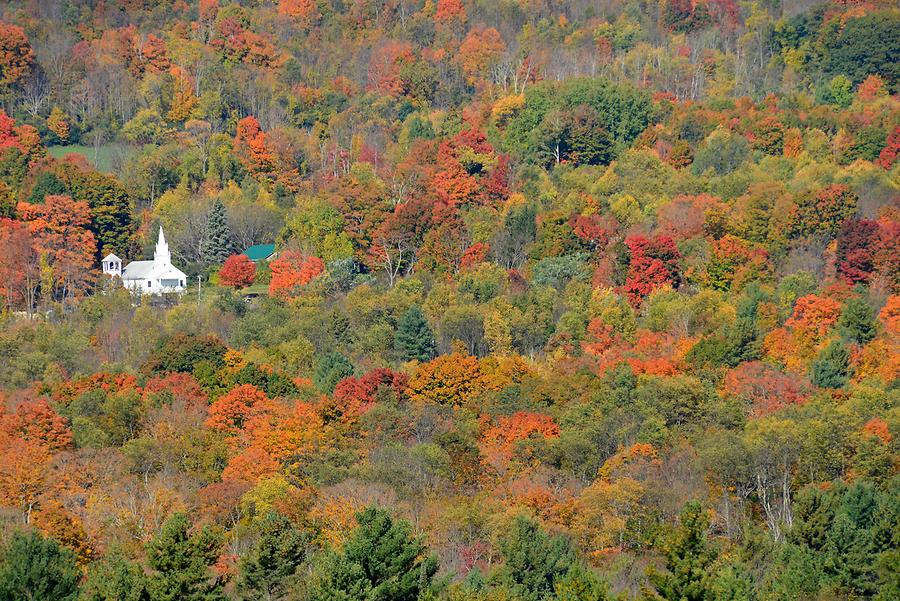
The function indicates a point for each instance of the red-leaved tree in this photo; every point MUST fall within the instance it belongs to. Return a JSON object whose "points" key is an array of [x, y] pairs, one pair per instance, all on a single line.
{"points": [[238, 271], [653, 264]]}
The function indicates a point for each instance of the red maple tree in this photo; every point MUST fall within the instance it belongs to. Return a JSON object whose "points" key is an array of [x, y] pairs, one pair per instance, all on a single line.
{"points": [[653, 263], [238, 271]]}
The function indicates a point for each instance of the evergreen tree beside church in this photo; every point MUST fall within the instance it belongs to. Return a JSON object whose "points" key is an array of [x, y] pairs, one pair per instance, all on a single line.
{"points": [[217, 240]]}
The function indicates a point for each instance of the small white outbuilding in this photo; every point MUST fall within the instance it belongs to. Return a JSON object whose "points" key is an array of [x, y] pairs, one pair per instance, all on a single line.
{"points": [[148, 277]]}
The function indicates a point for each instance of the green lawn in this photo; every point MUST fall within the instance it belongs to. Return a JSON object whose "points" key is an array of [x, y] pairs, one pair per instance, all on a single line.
{"points": [[262, 289], [104, 156]]}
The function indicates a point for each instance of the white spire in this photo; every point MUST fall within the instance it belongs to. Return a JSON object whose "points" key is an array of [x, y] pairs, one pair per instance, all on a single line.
{"points": [[162, 255]]}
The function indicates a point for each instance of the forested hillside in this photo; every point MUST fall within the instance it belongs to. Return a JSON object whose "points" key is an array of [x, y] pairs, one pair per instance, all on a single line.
{"points": [[565, 301]]}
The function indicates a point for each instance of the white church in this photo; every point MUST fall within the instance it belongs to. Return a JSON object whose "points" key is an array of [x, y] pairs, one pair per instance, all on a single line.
{"points": [[148, 277]]}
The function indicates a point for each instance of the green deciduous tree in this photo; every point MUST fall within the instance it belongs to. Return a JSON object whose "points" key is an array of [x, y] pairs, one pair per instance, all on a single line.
{"points": [[863, 46], [110, 207], [593, 116], [722, 152]]}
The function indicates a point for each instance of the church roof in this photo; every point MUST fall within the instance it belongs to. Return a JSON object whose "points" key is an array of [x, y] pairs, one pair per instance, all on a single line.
{"points": [[111, 257], [138, 270], [169, 272], [152, 270], [259, 252]]}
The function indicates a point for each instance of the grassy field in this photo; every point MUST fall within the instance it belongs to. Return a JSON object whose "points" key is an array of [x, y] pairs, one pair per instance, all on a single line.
{"points": [[104, 159]]}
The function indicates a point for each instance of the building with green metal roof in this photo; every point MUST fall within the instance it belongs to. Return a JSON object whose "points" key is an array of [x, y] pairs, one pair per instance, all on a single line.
{"points": [[260, 252]]}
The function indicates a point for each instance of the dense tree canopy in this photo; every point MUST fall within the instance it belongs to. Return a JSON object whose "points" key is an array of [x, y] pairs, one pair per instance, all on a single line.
{"points": [[541, 301]]}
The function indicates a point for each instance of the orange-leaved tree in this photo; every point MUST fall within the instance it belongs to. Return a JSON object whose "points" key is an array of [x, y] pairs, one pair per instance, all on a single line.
{"points": [[501, 440], [305, 12], [19, 264], [16, 55], [36, 421], [24, 473], [249, 466], [251, 145], [455, 380], [292, 270], [66, 245], [233, 409]]}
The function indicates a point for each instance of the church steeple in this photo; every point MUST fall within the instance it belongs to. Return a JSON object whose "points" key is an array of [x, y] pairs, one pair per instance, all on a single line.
{"points": [[162, 255]]}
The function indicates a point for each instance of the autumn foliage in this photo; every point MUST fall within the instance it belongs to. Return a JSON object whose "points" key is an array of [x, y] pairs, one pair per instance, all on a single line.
{"points": [[35, 421], [16, 55], [652, 264], [454, 380], [292, 270], [230, 412], [571, 300], [237, 272], [501, 438]]}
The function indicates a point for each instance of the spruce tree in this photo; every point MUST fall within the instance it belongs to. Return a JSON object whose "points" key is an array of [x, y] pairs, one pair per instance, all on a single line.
{"points": [[331, 369], [580, 583], [857, 322], [689, 559], [217, 240], [382, 560], [182, 563], [34, 567], [269, 568], [414, 338], [831, 368], [535, 563], [114, 578]]}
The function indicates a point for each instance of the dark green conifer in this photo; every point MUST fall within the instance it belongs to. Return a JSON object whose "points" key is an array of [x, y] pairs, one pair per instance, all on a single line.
{"points": [[414, 338], [182, 563], [217, 240], [268, 570], [34, 567], [831, 369], [382, 560]]}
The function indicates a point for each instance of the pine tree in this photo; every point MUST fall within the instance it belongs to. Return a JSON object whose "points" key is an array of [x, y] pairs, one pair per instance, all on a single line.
{"points": [[34, 567], [733, 582], [331, 369], [267, 570], [831, 368], [414, 338], [382, 560], [689, 558], [535, 562], [580, 584], [182, 563], [217, 240], [857, 321], [114, 578]]}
